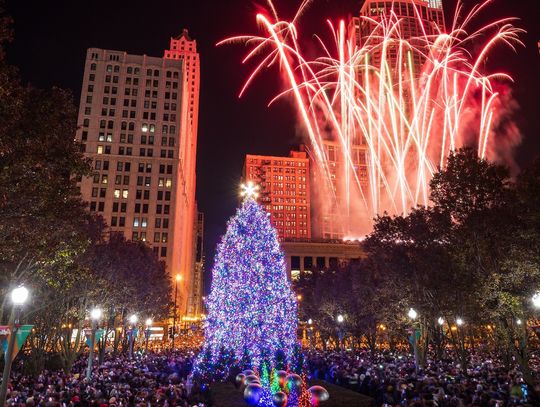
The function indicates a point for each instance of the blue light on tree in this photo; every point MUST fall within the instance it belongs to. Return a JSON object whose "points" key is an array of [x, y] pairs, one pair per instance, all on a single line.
{"points": [[252, 310]]}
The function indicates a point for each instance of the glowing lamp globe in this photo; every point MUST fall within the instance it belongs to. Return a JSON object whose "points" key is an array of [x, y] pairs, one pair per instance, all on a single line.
{"points": [[19, 295], [96, 314], [149, 322], [340, 318], [536, 300], [440, 321], [133, 319], [459, 321], [412, 314]]}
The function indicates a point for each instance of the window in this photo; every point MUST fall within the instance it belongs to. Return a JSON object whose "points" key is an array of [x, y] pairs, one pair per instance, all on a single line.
{"points": [[144, 222], [100, 149], [122, 221], [117, 193], [125, 193], [164, 251], [136, 222], [156, 237]]}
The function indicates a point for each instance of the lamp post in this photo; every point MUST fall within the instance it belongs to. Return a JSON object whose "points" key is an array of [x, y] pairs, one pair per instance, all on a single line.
{"points": [[178, 279], [133, 321], [147, 334], [18, 297], [95, 316], [412, 314], [310, 332], [340, 320]]}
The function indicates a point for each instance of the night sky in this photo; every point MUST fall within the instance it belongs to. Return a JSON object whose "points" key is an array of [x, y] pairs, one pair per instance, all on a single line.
{"points": [[51, 38]]}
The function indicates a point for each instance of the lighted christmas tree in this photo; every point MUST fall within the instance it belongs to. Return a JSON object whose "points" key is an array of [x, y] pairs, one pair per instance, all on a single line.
{"points": [[252, 310]]}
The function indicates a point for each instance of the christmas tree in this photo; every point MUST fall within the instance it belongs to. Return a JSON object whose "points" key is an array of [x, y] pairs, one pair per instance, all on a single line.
{"points": [[252, 310]]}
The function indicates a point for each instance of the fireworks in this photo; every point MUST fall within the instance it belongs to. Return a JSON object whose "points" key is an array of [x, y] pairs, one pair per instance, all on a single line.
{"points": [[382, 114]]}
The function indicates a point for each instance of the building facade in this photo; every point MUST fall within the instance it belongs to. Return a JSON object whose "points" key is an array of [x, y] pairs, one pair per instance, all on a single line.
{"points": [[344, 215], [306, 255], [284, 190], [418, 19], [137, 122]]}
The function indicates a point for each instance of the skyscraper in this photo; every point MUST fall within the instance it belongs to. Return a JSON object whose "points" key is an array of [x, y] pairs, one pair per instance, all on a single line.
{"points": [[342, 212], [418, 19], [138, 123], [284, 191]]}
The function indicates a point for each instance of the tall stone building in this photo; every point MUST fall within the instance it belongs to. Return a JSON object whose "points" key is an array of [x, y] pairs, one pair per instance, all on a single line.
{"points": [[138, 123], [344, 215]]}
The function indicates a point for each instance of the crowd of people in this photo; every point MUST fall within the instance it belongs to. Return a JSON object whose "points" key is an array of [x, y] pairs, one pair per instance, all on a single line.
{"points": [[393, 380], [163, 379], [157, 379]]}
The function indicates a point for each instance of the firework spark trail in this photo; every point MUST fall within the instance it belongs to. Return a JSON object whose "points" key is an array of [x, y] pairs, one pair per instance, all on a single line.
{"points": [[397, 124]]}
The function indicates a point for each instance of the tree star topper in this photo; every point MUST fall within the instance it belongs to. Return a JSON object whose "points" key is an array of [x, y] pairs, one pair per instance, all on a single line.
{"points": [[249, 190]]}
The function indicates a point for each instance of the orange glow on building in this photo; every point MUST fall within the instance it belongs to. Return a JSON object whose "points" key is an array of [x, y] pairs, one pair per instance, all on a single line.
{"points": [[284, 191], [138, 123]]}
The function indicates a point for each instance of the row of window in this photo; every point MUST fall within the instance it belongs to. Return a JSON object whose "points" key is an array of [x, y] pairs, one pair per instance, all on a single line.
{"points": [[139, 208], [287, 215], [278, 163], [130, 70], [292, 232], [143, 152], [287, 208]]}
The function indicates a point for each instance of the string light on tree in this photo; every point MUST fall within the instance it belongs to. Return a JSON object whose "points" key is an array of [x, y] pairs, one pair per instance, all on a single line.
{"points": [[252, 310]]}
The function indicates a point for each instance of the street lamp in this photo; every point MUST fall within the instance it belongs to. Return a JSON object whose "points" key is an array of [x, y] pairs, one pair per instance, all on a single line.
{"points": [[19, 296], [178, 279], [459, 321], [95, 316], [133, 321], [148, 324], [440, 321], [412, 314], [340, 318], [536, 300]]}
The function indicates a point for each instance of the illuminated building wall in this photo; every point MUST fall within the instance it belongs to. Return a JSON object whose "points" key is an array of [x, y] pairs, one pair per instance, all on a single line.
{"points": [[284, 191], [137, 121], [432, 17], [343, 215]]}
